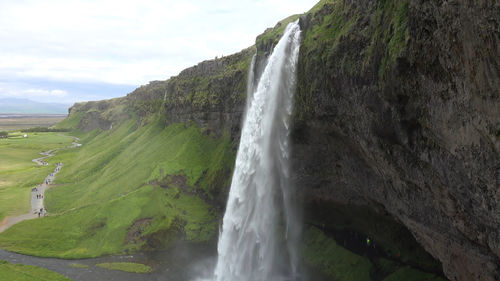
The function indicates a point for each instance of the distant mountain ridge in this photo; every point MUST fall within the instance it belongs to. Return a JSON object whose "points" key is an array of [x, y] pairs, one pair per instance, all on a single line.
{"points": [[19, 105]]}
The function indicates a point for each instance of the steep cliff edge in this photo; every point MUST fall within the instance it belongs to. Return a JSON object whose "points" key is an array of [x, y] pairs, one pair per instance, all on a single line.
{"points": [[398, 108], [396, 119], [211, 94]]}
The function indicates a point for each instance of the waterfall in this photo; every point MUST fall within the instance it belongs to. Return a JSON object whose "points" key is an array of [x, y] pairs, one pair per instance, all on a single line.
{"points": [[250, 82], [260, 226]]}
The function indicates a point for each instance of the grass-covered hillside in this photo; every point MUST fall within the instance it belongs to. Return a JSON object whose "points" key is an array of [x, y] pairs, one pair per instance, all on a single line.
{"points": [[128, 188]]}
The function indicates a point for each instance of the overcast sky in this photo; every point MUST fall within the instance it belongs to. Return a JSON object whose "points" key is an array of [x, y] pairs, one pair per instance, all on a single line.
{"points": [[67, 51]]}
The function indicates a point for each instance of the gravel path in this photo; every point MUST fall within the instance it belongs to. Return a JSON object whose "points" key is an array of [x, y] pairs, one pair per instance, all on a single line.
{"points": [[37, 196]]}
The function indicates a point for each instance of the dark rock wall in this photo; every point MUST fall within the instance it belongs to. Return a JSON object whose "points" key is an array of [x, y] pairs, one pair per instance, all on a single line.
{"points": [[411, 126], [212, 94], [93, 115]]}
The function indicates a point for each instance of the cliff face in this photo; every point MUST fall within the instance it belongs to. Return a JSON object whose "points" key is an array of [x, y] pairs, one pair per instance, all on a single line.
{"points": [[92, 115], [211, 94], [398, 105], [397, 112]]}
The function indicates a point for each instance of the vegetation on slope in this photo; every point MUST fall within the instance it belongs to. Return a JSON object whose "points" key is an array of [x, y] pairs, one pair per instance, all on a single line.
{"points": [[347, 41], [128, 188], [325, 254], [71, 121], [272, 35], [212, 90], [21, 272], [334, 260], [410, 274], [354, 224]]}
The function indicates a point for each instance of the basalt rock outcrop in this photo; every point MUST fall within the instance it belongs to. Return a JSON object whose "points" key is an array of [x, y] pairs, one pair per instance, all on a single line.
{"points": [[398, 105]]}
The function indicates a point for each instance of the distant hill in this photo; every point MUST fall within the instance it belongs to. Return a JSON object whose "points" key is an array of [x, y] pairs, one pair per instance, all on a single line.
{"points": [[15, 105]]}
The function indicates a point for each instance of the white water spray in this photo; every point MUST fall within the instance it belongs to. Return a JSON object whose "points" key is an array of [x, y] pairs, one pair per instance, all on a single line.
{"points": [[260, 227]]}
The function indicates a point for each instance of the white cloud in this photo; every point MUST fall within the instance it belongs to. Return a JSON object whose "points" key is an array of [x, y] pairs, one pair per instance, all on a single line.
{"points": [[43, 93], [127, 41]]}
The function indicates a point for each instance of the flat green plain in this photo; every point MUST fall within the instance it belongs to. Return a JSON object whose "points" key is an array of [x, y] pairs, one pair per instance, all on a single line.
{"points": [[21, 272], [18, 173]]}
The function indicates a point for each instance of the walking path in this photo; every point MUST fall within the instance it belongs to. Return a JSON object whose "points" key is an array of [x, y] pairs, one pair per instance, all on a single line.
{"points": [[37, 193], [183, 262]]}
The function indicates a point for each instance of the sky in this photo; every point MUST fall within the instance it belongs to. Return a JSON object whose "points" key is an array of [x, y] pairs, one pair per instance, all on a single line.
{"points": [[67, 51]]}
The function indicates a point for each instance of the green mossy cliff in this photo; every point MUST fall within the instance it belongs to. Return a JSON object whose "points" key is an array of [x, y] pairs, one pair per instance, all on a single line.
{"points": [[396, 119], [397, 110]]}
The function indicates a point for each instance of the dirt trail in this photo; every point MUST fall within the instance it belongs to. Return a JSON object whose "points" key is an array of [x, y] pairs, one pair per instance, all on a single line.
{"points": [[37, 195]]}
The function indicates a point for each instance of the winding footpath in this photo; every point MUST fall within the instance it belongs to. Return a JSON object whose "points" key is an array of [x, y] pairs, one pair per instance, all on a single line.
{"points": [[37, 196], [180, 263]]}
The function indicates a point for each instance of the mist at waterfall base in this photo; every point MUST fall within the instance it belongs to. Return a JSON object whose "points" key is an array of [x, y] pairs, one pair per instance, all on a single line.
{"points": [[261, 225]]}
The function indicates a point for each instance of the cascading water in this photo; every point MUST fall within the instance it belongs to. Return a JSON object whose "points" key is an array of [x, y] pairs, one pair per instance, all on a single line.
{"points": [[260, 226]]}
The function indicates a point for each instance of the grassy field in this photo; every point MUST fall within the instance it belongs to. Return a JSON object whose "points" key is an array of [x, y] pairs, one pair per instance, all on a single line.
{"points": [[334, 260], [18, 174], [21, 272], [126, 189], [126, 266], [28, 121]]}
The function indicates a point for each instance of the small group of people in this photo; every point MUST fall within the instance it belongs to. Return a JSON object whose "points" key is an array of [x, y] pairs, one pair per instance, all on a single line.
{"points": [[39, 196], [41, 212]]}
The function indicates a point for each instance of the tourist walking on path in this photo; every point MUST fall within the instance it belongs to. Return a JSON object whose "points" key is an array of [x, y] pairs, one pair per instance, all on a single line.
{"points": [[37, 193]]}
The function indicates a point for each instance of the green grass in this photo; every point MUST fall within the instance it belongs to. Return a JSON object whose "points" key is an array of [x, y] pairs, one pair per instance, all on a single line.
{"points": [[385, 266], [394, 31], [276, 32], [391, 237], [326, 255], [126, 266], [202, 92], [21, 272], [18, 174], [78, 265], [328, 30], [70, 122], [410, 274], [120, 177]]}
